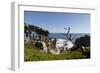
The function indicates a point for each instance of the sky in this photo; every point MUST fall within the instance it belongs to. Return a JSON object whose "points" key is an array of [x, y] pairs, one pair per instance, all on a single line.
{"points": [[55, 22]]}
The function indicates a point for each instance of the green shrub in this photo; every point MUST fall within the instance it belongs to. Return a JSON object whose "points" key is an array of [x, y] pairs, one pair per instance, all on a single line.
{"points": [[39, 45]]}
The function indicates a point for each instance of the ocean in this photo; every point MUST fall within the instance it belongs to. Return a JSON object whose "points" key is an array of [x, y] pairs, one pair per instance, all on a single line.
{"points": [[62, 36]]}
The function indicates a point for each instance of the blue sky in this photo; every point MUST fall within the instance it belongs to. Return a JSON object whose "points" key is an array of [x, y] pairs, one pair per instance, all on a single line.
{"points": [[56, 22]]}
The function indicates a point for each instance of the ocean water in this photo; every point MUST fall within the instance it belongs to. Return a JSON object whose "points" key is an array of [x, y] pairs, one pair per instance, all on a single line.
{"points": [[62, 36]]}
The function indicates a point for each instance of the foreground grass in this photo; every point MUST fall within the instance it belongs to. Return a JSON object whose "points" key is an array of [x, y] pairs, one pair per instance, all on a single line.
{"points": [[33, 54]]}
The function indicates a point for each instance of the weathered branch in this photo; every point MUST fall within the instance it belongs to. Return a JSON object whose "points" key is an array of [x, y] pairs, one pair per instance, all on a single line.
{"points": [[68, 35]]}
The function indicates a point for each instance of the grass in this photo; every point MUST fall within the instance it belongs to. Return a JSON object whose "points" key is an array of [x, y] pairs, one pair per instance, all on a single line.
{"points": [[32, 53]]}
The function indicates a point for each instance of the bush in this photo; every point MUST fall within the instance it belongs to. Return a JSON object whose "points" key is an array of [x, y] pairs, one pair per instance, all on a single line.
{"points": [[39, 45], [83, 41]]}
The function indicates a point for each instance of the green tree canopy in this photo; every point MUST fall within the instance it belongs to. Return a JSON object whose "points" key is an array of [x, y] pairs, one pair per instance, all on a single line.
{"points": [[38, 30]]}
